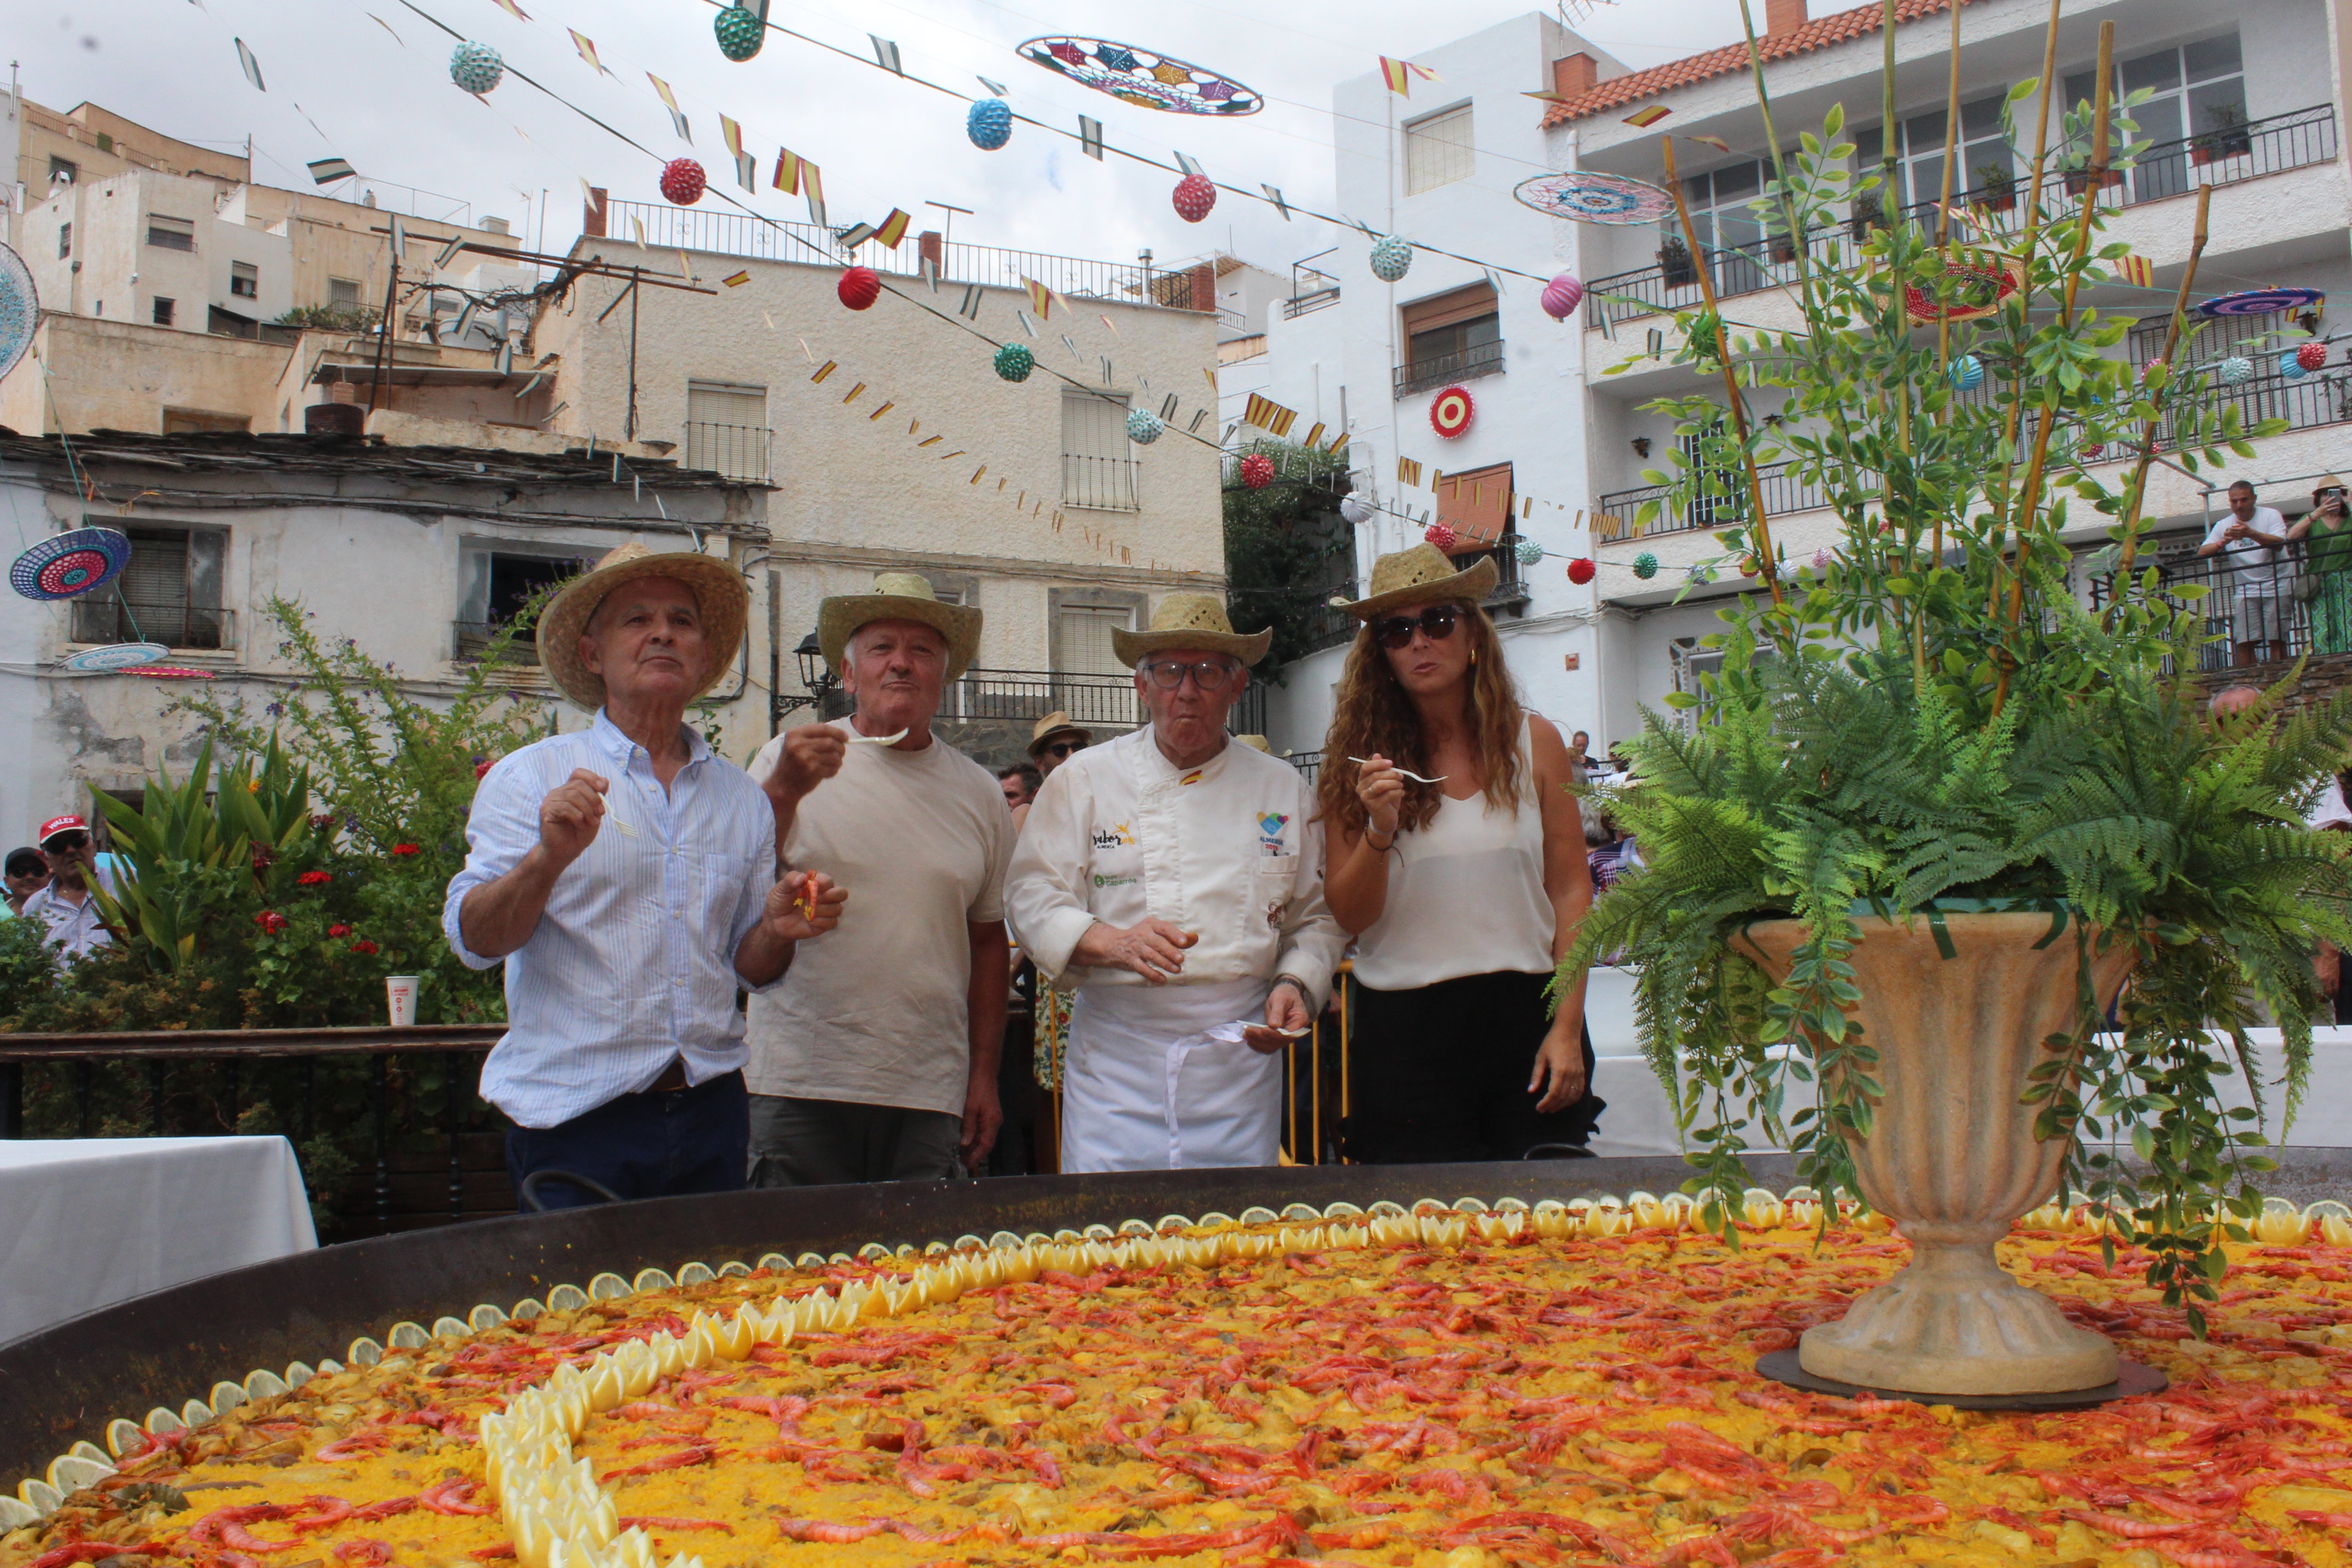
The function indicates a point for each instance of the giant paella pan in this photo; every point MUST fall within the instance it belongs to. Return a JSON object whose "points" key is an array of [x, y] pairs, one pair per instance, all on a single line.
{"points": [[1432, 1367]]}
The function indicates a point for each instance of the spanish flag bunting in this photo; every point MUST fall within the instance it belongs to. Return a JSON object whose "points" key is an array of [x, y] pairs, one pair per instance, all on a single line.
{"points": [[881, 411], [1408, 471], [893, 229], [1340, 441], [512, 9], [1717, 142], [851, 396], [1041, 298], [737, 280], [733, 134], [827, 368], [670, 101], [1398, 75], [978, 474], [2137, 270], [587, 47], [1268, 414], [1315, 435], [928, 441], [1642, 119]]}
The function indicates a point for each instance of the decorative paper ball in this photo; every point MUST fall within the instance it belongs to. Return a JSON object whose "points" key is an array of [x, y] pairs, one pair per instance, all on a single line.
{"points": [[1442, 536], [1700, 571], [2236, 371], [1391, 259], [1194, 197], [1561, 296], [1967, 373], [2292, 367], [476, 67], [682, 181], [2148, 370], [2094, 451], [1356, 509], [859, 287], [741, 32], [1645, 566], [1014, 362], [1529, 553], [990, 123], [2311, 356], [1581, 570], [1143, 427], [1822, 559], [1257, 470]]}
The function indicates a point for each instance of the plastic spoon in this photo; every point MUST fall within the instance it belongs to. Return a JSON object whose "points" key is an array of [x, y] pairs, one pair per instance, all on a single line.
{"points": [[1402, 773], [877, 739]]}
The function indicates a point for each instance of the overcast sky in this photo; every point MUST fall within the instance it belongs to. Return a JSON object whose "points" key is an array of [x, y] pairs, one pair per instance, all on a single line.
{"points": [[371, 80]]}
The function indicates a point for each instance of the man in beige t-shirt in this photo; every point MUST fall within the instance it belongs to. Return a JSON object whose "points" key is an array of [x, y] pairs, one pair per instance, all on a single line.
{"points": [[876, 1059]]}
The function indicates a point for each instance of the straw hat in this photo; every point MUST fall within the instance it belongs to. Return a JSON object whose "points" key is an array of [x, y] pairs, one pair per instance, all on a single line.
{"points": [[1255, 742], [2330, 483], [899, 597], [1058, 723], [717, 590], [1191, 620], [1422, 576]]}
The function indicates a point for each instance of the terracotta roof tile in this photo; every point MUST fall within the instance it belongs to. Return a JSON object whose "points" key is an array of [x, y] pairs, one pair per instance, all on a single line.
{"points": [[1818, 34]]}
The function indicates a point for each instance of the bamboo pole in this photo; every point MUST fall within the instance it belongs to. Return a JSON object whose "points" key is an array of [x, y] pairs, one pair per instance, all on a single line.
{"points": [[2171, 344], [1943, 228]]}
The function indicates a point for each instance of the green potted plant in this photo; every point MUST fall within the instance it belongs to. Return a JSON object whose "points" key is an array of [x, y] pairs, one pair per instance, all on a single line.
{"points": [[1996, 187], [1675, 262], [2226, 135], [1933, 811]]}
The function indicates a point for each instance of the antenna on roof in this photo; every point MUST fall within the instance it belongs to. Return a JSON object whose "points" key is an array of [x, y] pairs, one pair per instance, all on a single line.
{"points": [[1572, 13]]}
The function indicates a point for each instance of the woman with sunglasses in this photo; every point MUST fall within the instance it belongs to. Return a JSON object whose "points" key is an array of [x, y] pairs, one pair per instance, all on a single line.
{"points": [[2326, 578], [1462, 886]]}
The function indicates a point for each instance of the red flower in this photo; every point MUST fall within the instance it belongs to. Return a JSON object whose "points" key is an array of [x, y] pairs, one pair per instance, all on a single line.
{"points": [[338, 930], [262, 857], [315, 879], [270, 920], [406, 850], [484, 766], [321, 820], [364, 947]]}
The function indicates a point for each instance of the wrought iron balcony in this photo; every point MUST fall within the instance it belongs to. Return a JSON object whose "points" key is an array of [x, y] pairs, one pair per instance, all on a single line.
{"points": [[738, 452], [1092, 700], [1099, 484], [175, 623], [1485, 359]]}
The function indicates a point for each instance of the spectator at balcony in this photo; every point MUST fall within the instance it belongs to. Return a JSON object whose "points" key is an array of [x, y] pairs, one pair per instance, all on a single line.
{"points": [[1462, 893], [626, 874], [2327, 566], [2255, 572], [876, 1059], [76, 926], [1056, 741], [28, 873], [1174, 880]]}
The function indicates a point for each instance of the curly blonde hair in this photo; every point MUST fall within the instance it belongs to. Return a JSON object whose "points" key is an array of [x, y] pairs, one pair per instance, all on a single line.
{"points": [[1374, 716]]}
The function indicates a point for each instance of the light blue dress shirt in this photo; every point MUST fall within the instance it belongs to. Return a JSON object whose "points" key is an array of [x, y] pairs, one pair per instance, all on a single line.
{"points": [[633, 961]]}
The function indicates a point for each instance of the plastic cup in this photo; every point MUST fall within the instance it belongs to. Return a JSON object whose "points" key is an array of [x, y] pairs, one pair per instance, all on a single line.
{"points": [[400, 998]]}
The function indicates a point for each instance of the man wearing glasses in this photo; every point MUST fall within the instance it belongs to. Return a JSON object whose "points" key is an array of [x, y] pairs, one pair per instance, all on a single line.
{"points": [[1174, 880], [65, 908]]}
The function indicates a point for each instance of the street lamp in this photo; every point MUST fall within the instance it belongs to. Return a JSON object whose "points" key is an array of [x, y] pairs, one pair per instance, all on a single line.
{"points": [[815, 675]]}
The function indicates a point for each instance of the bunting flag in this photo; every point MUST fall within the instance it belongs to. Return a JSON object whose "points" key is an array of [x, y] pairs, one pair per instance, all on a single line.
{"points": [[252, 67], [856, 234], [1090, 137], [1028, 322], [928, 269], [1191, 166], [512, 9], [1333, 449], [1194, 427], [733, 134], [795, 175], [1717, 142], [893, 229], [1315, 435], [998, 87], [2137, 270], [1041, 298], [587, 47], [1398, 75], [974, 296], [881, 411], [1642, 119], [670, 101], [827, 368], [1071, 343], [747, 172], [1274, 196], [1168, 409], [851, 395], [372, 18], [737, 280], [1269, 415], [592, 200], [1408, 472], [886, 53], [327, 170]]}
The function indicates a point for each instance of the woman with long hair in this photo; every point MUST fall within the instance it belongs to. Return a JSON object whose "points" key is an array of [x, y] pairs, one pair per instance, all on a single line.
{"points": [[1462, 886]]}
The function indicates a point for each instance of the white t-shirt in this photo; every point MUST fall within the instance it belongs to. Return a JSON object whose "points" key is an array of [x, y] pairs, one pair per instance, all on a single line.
{"points": [[877, 1011], [2250, 567]]}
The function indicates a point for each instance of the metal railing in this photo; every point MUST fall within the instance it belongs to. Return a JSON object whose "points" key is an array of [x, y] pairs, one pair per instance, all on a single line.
{"points": [[469, 640], [1615, 513], [175, 623], [1305, 304], [2224, 157], [1099, 484], [1485, 359], [1091, 700], [2287, 608], [738, 452], [1309, 764]]}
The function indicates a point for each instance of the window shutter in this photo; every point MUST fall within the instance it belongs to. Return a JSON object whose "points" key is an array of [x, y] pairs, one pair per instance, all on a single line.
{"points": [[1450, 308], [1085, 640], [1437, 150], [1476, 506]]}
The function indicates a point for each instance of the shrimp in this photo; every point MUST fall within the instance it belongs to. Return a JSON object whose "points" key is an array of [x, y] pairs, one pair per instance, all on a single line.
{"points": [[449, 1497], [358, 1446], [826, 1531], [364, 1552], [700, 1453], [2129, 1529], [665, 1522]]}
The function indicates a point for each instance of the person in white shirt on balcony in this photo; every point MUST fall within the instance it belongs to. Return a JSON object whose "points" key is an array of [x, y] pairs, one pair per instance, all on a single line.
{"points": [[1173, 878], [2255, 569]]}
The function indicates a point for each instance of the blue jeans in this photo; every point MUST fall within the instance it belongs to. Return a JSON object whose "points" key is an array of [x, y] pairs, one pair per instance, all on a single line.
{"points": [[652, 1145]]}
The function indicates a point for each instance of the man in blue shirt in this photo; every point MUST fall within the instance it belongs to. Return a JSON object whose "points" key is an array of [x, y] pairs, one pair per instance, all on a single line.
{"points": [[627, 876]]}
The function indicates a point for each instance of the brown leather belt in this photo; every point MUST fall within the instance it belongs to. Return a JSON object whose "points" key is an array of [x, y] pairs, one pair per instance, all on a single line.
{"points": [[672, 1079]]}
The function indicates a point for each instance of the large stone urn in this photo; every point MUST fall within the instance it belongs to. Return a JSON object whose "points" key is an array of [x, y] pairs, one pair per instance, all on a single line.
{"points": [[1951, 1156]]}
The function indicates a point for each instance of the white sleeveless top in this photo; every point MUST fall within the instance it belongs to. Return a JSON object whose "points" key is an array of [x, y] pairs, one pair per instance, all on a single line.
{"points": [[1466, 895]]}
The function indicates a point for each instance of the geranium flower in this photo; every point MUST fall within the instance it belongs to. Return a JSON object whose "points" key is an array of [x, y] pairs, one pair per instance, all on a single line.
{"points": [[406, 850], [339, 929], [263, 855], [484, 766], [270, 920], [315, 879], [364, 947]]}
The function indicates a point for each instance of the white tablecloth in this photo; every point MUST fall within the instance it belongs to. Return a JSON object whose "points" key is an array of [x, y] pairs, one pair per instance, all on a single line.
{"points": [[88, 1222]]}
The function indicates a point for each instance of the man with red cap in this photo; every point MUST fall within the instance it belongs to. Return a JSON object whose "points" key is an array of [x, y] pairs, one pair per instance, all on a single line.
{"points": [[64, 908]]}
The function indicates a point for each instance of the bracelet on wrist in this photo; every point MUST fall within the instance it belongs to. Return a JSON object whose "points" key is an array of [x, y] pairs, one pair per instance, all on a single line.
{"points": [[1382, 849]]}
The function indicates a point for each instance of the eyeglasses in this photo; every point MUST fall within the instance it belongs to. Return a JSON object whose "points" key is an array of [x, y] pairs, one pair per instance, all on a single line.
{"points": [[1436, 623], [66, 843], [1064, 747], [1208, 674]]}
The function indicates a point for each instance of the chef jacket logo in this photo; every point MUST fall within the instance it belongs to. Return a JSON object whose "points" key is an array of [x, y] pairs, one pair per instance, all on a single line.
{"points": [[1114, 836], [1269, 833]]}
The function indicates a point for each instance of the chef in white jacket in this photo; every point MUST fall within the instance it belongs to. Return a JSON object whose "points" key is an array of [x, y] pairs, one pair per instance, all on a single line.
{"points": [[1174, 880]]}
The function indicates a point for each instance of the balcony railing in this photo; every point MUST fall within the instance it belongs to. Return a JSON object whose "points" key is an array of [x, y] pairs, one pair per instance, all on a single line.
{"points": [[471, 639], [1106, 701], [2291, 602], [1305, 304], [175, 623], [738, 452], [1099, 484], [1616, 516], [1485, 359]]}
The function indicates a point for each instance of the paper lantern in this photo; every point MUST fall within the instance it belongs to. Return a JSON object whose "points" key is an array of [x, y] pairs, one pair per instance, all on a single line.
{"points": [[682, 181], [859, 287], [1014, 362], [1645, 566], [1561, 296], [1391, 259], [1967, 373], [2236, 371], [2292, 367], [990, 123], [1194, 197], [1356, 509], [1442, 536], [2311, 356], [1257, 470], [1529, 553], [1143, 427], [476, 67], [741, 32], [1581, 570], [1450, 412]]}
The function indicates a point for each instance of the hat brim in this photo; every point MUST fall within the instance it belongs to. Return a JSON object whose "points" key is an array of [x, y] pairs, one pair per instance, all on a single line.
{"points": [[719, 592], [837, 620], [1046, 740], [1473, 584], [1134, 648]]}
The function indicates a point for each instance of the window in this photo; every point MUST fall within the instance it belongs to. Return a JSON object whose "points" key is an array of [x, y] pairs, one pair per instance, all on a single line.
{"points": [[170, 592], [344, 294], [1096, 470], [1707, 508], [1085, 631], [1454, 335], [1721, 212], [65, 240], [62, 169], [726, 429], [2196, 113], [1438, 149], [498, 585], [165, 309], [1987, 173], [1476, 506], [245, 279], [170, 233]]}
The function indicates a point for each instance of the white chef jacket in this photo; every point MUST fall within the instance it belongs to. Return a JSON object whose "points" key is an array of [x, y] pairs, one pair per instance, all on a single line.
{"points": [[1227, 850]]}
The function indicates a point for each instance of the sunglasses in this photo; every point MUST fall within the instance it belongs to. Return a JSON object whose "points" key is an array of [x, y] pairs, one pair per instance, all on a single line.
{"points": [[1064, 747], [1208, 674], [65, 842], [1436, 623]]}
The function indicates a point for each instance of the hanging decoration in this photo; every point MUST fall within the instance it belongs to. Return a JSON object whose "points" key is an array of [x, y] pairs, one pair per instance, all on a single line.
{"points": [[1194, 195], [1975, 283], [1581, 570], [741, 32], [20, 309], [859, 287], [1391, 259], [1142, 76], [683, 181], [1257, 470], [2093, 451], [1450, 412], [1530, 552], [1645, 566], [114, 656], [170, 672], [1356, 509], [1014, 362], [1443, 536], [1143, 427], [1699, 572], [477, 68], [67, 565], [2292, 367], [2261, 302], [1967, 373], [2236, 371], [2311, 356], [1595, 198], [1561, 296], [1823, 558], [990, 123]]}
